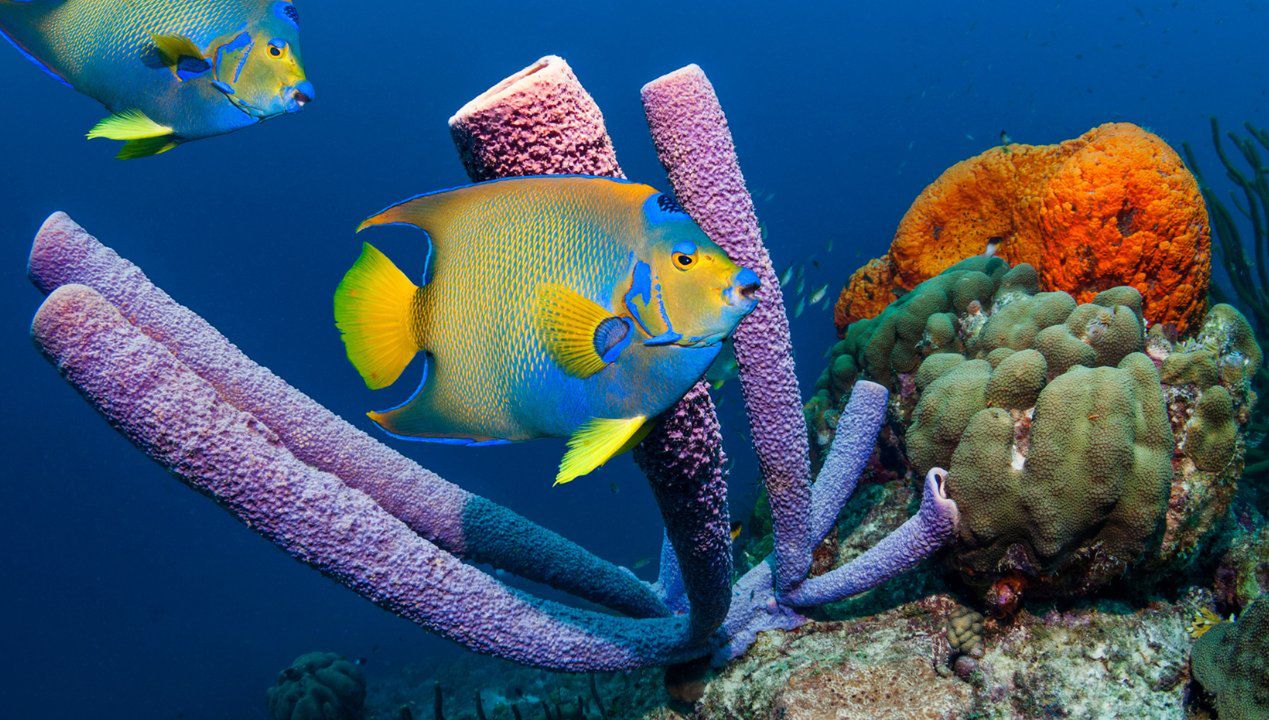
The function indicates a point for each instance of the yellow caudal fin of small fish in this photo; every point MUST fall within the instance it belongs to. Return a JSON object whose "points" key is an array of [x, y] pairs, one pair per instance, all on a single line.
{"points": [[598, 441], [580, 336], [372, 310]]}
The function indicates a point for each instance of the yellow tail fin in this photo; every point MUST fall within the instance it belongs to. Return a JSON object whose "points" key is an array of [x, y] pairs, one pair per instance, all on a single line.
{"points": [[372, 310]]}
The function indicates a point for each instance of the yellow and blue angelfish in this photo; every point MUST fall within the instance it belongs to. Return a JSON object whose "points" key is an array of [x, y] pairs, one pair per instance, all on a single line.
{"points": [[552, 306], [169, 72]]}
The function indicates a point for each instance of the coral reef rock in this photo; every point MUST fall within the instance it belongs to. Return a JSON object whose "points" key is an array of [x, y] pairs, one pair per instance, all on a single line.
{"points": [[473, 687], [1231, 662], [1096, 662], [1115, 206], [319, 686], [1243, 572], [1077, 444]]}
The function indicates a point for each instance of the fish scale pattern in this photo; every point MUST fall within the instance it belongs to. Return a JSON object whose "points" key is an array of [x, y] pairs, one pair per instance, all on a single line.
{"points": [[589, 233], [94, 32]]}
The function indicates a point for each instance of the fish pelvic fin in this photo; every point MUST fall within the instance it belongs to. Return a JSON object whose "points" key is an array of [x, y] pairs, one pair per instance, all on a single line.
{"points": [[372, 311], [148, 147], [129, 125], [581, 336], [598, 441]]}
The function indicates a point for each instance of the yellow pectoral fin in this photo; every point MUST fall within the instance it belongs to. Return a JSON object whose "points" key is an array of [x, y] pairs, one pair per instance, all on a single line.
{"points": [[175, 47], [128, 125], [598, 441], [576, 330]]}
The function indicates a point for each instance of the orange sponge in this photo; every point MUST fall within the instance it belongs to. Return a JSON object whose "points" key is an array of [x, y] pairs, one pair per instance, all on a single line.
{"points": [[1115, 206]]}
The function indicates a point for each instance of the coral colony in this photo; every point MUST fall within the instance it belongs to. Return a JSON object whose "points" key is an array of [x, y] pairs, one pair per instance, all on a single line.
{"points": [[402, 537], [1054, 396]]}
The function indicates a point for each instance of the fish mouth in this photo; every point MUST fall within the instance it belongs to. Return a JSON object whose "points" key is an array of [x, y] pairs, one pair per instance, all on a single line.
{"points": [[298, 96], [298, 100], [742, 294]]}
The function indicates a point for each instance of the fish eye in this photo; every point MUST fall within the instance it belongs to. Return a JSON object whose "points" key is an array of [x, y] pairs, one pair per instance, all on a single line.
{"points": [[683, 255], [276, 48]]}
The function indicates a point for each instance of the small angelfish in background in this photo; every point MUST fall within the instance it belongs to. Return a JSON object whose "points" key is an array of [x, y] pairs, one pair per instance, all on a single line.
{"points": [[551, 306], [724, 368], [169, 72]]}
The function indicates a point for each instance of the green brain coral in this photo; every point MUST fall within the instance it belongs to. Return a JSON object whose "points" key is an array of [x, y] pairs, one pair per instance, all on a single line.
{"points": [[1078, 445], [319, 686], [1076, 500], [1231, 662]]}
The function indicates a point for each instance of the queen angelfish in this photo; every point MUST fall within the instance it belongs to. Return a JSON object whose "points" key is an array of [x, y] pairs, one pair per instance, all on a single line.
{"points": [[554, 306], [169, 72]]}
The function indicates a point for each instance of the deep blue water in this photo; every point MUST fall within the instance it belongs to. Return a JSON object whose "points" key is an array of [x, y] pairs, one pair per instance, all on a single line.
{"points": [[126, 595]]}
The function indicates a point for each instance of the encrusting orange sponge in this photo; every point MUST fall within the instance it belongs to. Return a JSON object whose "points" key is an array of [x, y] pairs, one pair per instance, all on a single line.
{"points": [[1115, 206]]}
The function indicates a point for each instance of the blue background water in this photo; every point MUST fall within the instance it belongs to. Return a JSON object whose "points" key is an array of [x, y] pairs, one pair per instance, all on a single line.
{"points": [[128, 596]]}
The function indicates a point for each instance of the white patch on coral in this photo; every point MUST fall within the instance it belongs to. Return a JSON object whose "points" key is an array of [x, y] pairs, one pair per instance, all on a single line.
{"points": [[1019, 460]]}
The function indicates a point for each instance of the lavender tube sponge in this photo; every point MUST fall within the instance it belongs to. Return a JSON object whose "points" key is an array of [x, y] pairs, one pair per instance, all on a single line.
{"points": [[853, 444], [897, 553], [695, 145], [466, 525], [542, 121], [683, 459], [182, 422]]}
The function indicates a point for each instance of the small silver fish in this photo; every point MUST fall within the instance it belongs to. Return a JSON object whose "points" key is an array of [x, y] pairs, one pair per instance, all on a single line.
{"points": [[819, 294]]}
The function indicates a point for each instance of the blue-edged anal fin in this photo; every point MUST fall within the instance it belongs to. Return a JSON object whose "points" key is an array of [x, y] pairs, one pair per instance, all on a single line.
{"points": [[419, 420]]}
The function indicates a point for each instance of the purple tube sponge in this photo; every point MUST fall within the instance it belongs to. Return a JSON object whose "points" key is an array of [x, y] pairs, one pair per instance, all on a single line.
{"points": [[466, 525], [404, 538], [690, 132], [542, 121], [183, 422], [897, 553], [691, 135], [683, 459], [856, 434]]}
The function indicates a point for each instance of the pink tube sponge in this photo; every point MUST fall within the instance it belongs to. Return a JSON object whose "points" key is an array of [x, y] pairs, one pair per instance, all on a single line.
{"points": [[499, 133]]}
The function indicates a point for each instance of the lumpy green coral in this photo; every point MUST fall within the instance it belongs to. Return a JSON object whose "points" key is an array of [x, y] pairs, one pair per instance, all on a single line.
{"points": [[1231, 662], [1079, 442], [1078, 500], [319, 686], [1207, 384]]}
